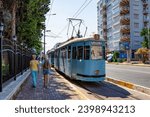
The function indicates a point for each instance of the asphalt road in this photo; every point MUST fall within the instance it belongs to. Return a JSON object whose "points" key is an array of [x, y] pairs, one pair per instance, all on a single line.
{"points": [[134, 74]]}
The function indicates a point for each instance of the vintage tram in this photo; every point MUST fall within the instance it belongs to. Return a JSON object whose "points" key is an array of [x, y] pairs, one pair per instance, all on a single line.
{"points": [[80, 58]]}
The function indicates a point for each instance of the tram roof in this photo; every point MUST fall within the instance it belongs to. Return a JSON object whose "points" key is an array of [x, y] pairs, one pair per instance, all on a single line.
{"points": [[77, 40]]}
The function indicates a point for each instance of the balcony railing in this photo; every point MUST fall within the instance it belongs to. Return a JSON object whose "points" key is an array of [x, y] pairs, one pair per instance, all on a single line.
{"points": [[145, 11], [125, 29], [124, 10], [125, 38], [104, 26], [125, 20], [145, 3], [124, 2], [146, 20], [104, 7]]}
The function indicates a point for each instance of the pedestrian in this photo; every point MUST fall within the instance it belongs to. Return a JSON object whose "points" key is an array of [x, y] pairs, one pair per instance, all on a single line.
{"points": [[34, 66], [46, 71]]}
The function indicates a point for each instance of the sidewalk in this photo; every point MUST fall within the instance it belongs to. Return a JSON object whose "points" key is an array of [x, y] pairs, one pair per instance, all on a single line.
{"points": [[13, 87], [58, 89]]}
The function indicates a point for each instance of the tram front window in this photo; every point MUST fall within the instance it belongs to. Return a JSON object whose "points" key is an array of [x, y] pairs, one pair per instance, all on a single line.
{"points": [[96, 52]]}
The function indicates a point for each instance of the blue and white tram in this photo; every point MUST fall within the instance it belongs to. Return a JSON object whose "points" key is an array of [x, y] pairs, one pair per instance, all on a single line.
{"points": [[81, 59]]}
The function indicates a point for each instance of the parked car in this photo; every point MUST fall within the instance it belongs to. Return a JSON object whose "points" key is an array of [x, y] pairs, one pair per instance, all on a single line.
{"points": [[110, 57]]}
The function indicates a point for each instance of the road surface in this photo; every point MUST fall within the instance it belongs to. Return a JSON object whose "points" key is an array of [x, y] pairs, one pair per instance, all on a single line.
{"points": [[134, 74]]}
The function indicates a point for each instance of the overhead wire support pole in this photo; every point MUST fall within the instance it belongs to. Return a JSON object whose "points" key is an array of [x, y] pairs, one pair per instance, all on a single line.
{"points": [[85, 31]]}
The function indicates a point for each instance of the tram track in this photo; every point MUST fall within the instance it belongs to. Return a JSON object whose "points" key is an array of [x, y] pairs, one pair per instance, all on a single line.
{"points": [[94, 91], [105, 90]]}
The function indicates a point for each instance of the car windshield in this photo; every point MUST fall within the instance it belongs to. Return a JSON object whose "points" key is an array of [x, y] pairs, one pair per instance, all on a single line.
{"points": [[96, 52]]}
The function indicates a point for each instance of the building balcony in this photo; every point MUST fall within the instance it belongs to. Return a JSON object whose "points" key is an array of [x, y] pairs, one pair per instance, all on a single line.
{"points": [[125, 38], [145, 3], [145, 12], [125, 20], [104, 33], [104, 7], [124, 2], [104, 26], [124, 10], [125, 29], [145, 20], [104, 22], [105, 37], [105, 30], [104, 19], [104, 14], [146, 25]]}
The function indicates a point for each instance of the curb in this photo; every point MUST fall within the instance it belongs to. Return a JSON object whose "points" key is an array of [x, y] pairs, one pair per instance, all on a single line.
{"points": [[141, 65], [12, 89], [130, 85]]}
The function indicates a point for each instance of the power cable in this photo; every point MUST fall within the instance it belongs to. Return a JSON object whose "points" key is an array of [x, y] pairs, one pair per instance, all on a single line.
{"points": [[77, 13], [50, 12], [83, 9], [80, 7]]}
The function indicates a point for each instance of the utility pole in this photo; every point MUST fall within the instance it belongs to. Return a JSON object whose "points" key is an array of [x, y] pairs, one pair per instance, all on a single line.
{"points": [[46, 31]]}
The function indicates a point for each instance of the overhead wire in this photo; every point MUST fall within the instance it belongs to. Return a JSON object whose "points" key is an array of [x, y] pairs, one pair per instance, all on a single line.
{"points": [[51, 6], [83, 9], [80, 7], [77, 13]]}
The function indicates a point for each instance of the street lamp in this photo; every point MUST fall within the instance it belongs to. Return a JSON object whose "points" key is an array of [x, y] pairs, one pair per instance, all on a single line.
{"points": [[1, 38]]}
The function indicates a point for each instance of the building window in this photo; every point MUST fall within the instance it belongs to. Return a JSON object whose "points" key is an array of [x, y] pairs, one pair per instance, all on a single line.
{"points": [[136, 16], [136, 25], [136, 34]]}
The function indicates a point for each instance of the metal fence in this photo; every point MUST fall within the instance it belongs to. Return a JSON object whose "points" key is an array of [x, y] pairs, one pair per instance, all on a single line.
{"points": [[15, 59]]}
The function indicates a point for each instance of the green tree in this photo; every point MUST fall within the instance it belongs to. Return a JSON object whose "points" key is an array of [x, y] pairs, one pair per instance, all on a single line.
{"points": [[145, 33], [115, 56], [31, 26]]}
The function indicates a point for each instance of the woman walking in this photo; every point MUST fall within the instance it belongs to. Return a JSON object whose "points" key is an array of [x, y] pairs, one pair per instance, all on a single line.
{"points": [[34, 69], [46, 72]]}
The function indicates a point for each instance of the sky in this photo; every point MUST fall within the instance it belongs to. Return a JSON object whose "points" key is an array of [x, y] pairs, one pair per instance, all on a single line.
{"points": [[58, 24]]}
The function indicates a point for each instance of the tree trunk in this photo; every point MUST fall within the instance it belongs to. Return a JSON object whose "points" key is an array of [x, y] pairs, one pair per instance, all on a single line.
{"points": [[13, 25]]}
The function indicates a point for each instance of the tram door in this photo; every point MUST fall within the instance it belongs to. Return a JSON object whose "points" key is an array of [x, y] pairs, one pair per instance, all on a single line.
{"points": [[69, 63], [74, 62]]}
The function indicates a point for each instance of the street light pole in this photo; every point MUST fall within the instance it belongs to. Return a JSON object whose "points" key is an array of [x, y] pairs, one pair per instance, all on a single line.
{"points": [[46, 31]]}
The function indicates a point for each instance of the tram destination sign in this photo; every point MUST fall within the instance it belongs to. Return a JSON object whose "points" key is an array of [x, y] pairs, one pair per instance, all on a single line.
{"points": [[96, 43]]}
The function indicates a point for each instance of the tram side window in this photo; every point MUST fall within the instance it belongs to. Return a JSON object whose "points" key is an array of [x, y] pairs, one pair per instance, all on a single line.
{"points": [[65, 52], [80, 52], [86, 52], [69, 52], [96, 52], [74, 54]]}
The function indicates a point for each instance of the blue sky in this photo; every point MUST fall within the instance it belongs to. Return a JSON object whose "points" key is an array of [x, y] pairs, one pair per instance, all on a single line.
{"points": [[66, 9]]}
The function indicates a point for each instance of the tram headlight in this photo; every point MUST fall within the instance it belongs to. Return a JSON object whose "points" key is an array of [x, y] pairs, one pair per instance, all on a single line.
{"points": [[97, 72]]}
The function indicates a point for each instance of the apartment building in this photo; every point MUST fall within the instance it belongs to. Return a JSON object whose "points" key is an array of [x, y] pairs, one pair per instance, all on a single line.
{"points": [[121, 21]]}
